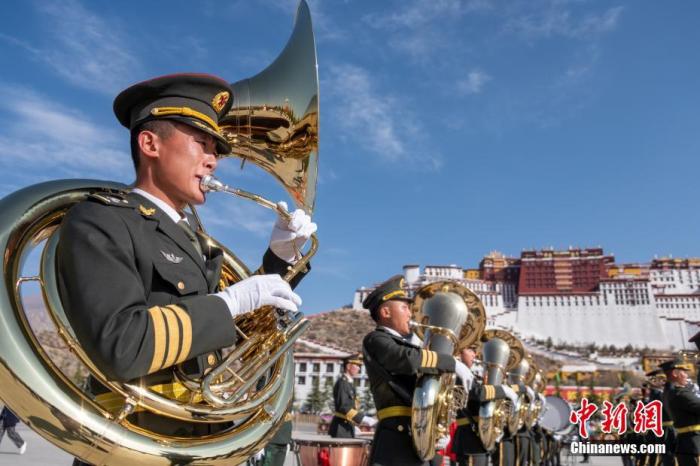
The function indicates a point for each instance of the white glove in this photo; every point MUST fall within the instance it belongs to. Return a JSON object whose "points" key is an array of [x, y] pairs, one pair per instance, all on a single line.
{"points": [[530, 393], [368, 421], [442, 442], [259, 290], [510, 394], [289, 236], [465, 374]]}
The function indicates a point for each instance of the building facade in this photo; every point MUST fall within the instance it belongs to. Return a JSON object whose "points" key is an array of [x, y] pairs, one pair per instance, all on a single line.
{"points": [[579, 296]]}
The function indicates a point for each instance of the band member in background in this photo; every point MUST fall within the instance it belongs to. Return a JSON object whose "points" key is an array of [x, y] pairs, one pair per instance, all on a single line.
{"points": [[684, 406], [8, 422], [347, 414], [139, 288], [394, 357], [467, 445], [504, 454]]}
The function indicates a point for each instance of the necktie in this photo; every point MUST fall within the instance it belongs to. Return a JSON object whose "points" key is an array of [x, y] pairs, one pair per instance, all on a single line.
{"points": [[191, 236]]}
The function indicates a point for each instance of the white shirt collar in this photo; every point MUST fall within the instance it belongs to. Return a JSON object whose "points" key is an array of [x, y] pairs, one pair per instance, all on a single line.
{"points": [[413, 339], [164, 206], [391, 331], [347, 377]]}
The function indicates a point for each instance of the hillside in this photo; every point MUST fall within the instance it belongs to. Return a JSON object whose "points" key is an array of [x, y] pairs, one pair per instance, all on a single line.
{"points": [[341, 328]]}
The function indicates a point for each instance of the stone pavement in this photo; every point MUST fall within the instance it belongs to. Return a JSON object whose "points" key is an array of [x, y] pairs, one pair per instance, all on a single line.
{"points": [[42, 453]]}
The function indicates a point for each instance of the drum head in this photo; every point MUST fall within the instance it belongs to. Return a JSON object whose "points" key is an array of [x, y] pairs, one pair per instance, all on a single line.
{"points": [[555, 416]]}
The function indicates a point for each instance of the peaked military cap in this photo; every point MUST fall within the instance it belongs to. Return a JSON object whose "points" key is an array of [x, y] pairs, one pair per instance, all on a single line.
{"points": [[654, 373], [677, 363], [353, 359], [197, 100], [695, 339], [392, 289]]}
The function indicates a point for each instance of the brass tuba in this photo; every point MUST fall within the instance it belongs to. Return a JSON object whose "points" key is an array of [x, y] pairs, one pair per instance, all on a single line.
{"points": [[493, 415], [449, 317], [516, 356], [521, 408], [49, 401]]}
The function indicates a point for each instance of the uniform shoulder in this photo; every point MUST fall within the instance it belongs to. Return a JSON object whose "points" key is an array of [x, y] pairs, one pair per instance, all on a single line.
{"points": [[100, 206]]}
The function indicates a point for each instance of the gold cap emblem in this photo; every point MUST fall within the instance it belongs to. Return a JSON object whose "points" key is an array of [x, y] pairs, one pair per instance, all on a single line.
{"points": [[220, 100]]}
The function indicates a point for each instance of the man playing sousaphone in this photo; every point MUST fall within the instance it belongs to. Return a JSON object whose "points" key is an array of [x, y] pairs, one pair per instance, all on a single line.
{"points": [[139, 288], [684, 406], [394, 357], [467, 445]]}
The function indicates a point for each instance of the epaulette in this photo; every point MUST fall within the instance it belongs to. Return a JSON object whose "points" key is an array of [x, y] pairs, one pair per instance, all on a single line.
{"points": [[111, 197]]}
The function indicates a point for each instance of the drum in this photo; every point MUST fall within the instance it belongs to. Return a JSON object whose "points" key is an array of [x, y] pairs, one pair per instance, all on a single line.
{"points": [[321, 450], [555, 417]]}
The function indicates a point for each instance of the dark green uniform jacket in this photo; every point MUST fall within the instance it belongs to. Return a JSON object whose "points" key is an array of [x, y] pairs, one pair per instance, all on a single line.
{"points": [[466, 440], [346, 409], [393, 365], [685, 411], [137, 293]]}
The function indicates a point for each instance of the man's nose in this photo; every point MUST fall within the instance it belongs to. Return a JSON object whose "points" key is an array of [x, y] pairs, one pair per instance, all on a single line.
{"points": [[211, 161]]}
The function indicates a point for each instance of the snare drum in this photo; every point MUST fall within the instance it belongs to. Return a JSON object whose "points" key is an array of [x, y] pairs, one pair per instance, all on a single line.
{"points": [[321, 450]]}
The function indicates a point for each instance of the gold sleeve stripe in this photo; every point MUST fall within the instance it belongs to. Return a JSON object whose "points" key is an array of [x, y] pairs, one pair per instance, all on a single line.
{"points": [[433, 359], [158, 338], [186, 324], [351, 414], [173, 336], [423, 358]]}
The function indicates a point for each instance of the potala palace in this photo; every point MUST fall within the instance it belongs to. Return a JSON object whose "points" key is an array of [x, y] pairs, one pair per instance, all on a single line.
{"points": [[579, 296]]}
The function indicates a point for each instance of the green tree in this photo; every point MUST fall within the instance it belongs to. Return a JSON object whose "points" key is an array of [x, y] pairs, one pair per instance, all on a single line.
{"points": [[314, 401], [367, 401], [327, 395]]}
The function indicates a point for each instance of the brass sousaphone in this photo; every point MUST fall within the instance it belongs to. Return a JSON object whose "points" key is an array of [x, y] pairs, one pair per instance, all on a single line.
{"points": [[500, 354], [274, 124], [449, 317]]}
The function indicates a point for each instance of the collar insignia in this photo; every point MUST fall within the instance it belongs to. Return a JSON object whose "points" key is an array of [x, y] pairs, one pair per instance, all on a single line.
{"points": [[146, 211], [171, 257]]}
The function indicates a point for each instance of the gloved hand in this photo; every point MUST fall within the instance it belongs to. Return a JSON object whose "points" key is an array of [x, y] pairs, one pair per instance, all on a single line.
{"points": [[510, 394], [259, 290], [368, 421], [530, 393], [465, 374], [289, 236], [442, 442]]}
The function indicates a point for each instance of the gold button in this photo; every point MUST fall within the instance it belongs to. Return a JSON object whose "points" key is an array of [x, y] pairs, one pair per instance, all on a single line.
{"points": [[400, 428], [180, 285], [211, 359]]}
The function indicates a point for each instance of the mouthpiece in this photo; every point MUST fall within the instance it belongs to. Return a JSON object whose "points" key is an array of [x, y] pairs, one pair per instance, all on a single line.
{"points": [[209, 183]]}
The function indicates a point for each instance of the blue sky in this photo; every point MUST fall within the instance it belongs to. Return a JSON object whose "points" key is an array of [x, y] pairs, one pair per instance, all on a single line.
{"points": [[448, 128]]}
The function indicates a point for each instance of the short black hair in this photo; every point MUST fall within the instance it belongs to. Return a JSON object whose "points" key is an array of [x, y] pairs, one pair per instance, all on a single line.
{"points": [[163, 128]]}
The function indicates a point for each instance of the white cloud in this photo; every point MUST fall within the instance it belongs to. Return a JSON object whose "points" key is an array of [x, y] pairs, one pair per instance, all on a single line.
{"points": [[42, 136], [84, 49], [556, 20], [374, 119], [473, 83], [366, 112], [418, 13]]}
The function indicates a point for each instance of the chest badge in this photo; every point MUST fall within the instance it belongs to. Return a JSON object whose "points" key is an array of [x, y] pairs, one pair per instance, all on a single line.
{"points": [[171, 257]]}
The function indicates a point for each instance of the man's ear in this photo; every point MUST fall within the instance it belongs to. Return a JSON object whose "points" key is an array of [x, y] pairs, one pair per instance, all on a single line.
{"points": [[149, 144], [384, 311]]}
